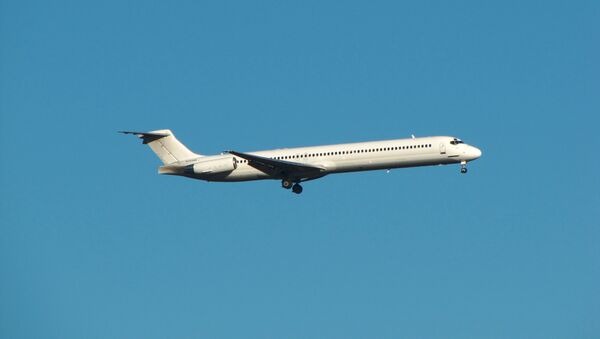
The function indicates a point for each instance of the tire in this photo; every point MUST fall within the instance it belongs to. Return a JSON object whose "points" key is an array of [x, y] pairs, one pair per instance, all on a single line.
{"points": [[297, 189], [287, 184]]}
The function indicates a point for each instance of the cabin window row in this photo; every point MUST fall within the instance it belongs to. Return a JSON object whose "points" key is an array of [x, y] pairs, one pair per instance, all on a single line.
{"points": [[368, 150]]}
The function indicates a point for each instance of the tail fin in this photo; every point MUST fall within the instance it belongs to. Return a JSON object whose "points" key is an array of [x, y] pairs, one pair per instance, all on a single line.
{"points": [[165, 145]]}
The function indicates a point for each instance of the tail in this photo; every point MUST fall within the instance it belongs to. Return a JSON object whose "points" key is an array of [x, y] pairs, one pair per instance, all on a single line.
{"points": [[165, 145]]}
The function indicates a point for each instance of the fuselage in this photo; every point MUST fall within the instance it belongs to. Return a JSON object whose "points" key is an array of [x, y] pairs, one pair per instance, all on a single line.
{"points": [[351, 157]]}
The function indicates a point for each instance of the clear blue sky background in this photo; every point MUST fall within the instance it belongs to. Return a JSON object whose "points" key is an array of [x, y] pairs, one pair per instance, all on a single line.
{"points": [[94, 244]]}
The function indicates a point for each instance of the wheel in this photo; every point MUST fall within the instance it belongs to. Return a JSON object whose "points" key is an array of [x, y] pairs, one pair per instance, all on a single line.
{"points": [[463, 170], [297, 189], [287, 184]]}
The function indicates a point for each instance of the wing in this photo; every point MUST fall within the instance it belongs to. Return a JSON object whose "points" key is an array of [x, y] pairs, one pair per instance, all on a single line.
{"points": [[280, 168]]}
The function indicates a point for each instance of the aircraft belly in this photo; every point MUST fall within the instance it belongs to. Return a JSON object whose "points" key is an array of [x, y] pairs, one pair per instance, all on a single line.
{"points": [[351, 165], [244, 174]]}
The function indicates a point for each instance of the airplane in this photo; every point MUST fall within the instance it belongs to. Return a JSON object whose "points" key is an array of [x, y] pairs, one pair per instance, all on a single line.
{"points": [[296, 165]]}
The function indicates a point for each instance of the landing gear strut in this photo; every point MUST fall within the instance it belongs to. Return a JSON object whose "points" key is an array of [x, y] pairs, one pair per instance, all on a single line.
{"points": [[297, 189], [463, 167]]}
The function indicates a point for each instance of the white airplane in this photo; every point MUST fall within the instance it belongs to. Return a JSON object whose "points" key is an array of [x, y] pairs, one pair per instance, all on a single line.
{"points": [[295, 165]]}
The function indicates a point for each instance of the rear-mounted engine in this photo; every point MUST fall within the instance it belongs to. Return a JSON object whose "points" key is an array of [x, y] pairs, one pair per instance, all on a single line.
{"points": [[222, 165]]}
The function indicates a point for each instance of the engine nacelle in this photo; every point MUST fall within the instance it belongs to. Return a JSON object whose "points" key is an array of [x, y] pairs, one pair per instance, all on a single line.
{"points": [[213, 166]]}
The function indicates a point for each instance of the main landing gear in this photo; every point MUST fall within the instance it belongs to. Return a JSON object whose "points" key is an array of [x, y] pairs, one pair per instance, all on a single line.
{"points": [[287, 184], [297, 188], [463, 167]]}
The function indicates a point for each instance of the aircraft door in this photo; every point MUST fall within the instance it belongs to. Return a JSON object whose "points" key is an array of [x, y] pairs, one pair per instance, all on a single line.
{"points": [[442, 148]]}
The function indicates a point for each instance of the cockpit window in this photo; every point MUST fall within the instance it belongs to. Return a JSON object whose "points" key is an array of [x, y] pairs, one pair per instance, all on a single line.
{"points": [[456, 141]]}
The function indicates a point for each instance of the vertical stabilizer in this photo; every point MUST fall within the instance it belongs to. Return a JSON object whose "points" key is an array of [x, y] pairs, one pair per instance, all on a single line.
{"points": [[164, 144]]}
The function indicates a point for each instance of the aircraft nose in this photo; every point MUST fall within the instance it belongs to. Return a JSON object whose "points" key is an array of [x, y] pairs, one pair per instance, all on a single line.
{"points": [[476, 152]]}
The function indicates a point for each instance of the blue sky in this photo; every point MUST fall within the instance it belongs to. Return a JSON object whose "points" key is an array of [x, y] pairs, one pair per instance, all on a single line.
{"points": [[94, 244]]}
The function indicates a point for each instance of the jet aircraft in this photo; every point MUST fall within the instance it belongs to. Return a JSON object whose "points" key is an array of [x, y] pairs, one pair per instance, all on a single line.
{"points": [[296, 165]]}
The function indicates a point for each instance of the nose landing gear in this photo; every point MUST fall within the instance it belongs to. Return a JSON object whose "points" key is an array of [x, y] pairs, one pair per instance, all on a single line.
{"points": [[463, 167]]}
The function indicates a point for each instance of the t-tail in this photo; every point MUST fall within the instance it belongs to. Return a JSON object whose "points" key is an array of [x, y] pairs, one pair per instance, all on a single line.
{"points": [[164, 144]]}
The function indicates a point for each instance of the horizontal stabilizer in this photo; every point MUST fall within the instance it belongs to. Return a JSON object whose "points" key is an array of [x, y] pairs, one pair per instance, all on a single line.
{"points": [[145, 136]]}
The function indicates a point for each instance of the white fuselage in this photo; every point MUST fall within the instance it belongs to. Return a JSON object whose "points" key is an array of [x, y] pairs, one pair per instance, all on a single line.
{"points": [[363, 156]]}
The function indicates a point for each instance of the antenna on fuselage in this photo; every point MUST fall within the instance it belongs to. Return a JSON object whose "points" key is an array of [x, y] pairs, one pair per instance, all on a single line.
{"points": [[412, 135]]}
